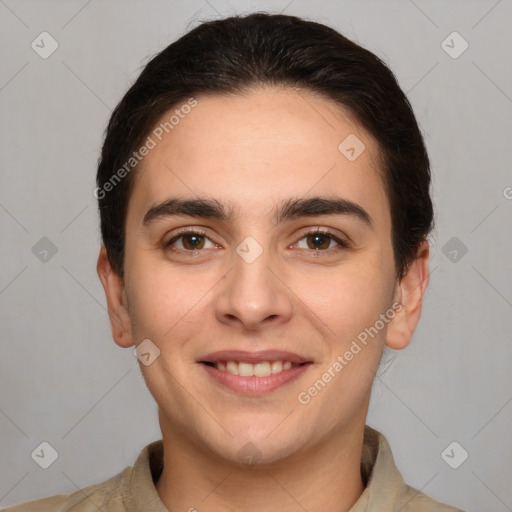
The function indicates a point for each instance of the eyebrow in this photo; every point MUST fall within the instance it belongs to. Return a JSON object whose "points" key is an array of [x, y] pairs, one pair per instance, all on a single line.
{"points": [[286, 210]]}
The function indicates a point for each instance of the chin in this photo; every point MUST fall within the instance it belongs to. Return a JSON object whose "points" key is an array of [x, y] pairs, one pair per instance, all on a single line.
{"points": [[258, 453], [259, 447]]}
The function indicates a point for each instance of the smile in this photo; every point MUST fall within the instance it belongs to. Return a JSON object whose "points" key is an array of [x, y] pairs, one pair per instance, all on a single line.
{"points": [[254, 374]]}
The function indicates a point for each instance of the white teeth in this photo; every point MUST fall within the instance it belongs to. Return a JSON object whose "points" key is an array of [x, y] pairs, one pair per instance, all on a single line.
{"points": [[231, 367], [277, 367], [245, 369], [261, 369]]}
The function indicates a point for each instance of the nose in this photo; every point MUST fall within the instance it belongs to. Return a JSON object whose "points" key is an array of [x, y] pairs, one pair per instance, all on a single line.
{"points": [[254, 295]]}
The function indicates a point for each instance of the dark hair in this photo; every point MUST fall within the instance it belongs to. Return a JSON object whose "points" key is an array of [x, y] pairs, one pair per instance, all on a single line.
{"points": [[228, 56]]}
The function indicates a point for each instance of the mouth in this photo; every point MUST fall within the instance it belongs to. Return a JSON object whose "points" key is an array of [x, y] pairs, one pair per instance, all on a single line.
{"points": [[254, 373]]}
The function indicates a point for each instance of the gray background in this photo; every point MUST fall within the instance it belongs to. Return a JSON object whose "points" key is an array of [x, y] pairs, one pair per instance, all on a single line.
{"points": [[62, 378]]}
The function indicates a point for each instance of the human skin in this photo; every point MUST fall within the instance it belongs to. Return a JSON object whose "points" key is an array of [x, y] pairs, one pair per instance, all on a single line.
{"points": [[252, 152]]}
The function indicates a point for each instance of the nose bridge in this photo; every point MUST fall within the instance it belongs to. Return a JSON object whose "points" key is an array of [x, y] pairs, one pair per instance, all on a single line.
{"points": [[253, 293]]}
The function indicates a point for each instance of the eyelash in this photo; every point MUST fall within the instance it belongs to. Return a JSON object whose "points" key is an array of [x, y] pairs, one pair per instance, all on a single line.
{"points": [[342, 244]]}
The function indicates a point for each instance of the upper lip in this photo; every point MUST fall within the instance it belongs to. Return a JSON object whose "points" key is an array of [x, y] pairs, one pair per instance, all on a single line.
{"points": [[253, 357]]}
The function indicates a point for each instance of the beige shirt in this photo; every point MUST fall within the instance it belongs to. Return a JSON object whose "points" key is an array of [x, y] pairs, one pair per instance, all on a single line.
{"points": [[133, 490]]}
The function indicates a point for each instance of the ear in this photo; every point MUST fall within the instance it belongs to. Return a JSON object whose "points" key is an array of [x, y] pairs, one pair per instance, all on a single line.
{"points": [[116, 301], [409, 293]]}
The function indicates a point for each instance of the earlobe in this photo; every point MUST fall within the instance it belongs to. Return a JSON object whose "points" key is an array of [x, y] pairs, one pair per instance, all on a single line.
{"points": [[409, 293], [116, 301]]}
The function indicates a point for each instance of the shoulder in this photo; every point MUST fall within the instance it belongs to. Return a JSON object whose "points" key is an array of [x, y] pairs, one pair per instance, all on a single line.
{"points": [[417, 501], [108, 496]]}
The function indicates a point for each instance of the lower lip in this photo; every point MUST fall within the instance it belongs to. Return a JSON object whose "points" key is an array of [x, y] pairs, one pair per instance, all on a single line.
{"points": [[255, 385]]}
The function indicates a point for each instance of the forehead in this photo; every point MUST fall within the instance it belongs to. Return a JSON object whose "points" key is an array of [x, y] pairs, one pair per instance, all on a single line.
{"points": [[253, 150]]}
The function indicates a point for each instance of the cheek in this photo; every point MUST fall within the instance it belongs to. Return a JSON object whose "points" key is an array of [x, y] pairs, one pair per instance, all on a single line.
{"points": [[165, 301], [347, 299], [349, 303]]}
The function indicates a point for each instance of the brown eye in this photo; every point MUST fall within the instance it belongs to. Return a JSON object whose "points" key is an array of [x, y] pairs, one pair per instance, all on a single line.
{"points": [[191, 241], [318, 241], [322, 241]]}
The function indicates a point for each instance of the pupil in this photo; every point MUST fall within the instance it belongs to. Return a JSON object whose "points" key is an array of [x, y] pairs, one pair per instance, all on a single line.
{"points": [[193, 240], [319, 239]]}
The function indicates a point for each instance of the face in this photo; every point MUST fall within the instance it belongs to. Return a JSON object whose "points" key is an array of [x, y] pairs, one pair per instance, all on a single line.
{"points": [[251, 269]]}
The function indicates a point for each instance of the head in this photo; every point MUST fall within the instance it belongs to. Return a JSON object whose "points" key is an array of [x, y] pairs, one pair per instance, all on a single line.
{"points": [[253, 133]]}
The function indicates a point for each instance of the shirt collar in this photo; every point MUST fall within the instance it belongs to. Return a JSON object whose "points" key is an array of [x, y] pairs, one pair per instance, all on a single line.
{"points": [[141, 486], [385, 488]]}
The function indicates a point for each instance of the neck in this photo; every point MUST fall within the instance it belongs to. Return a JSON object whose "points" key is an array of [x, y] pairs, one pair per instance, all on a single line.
{"points": [[324, 477]]}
